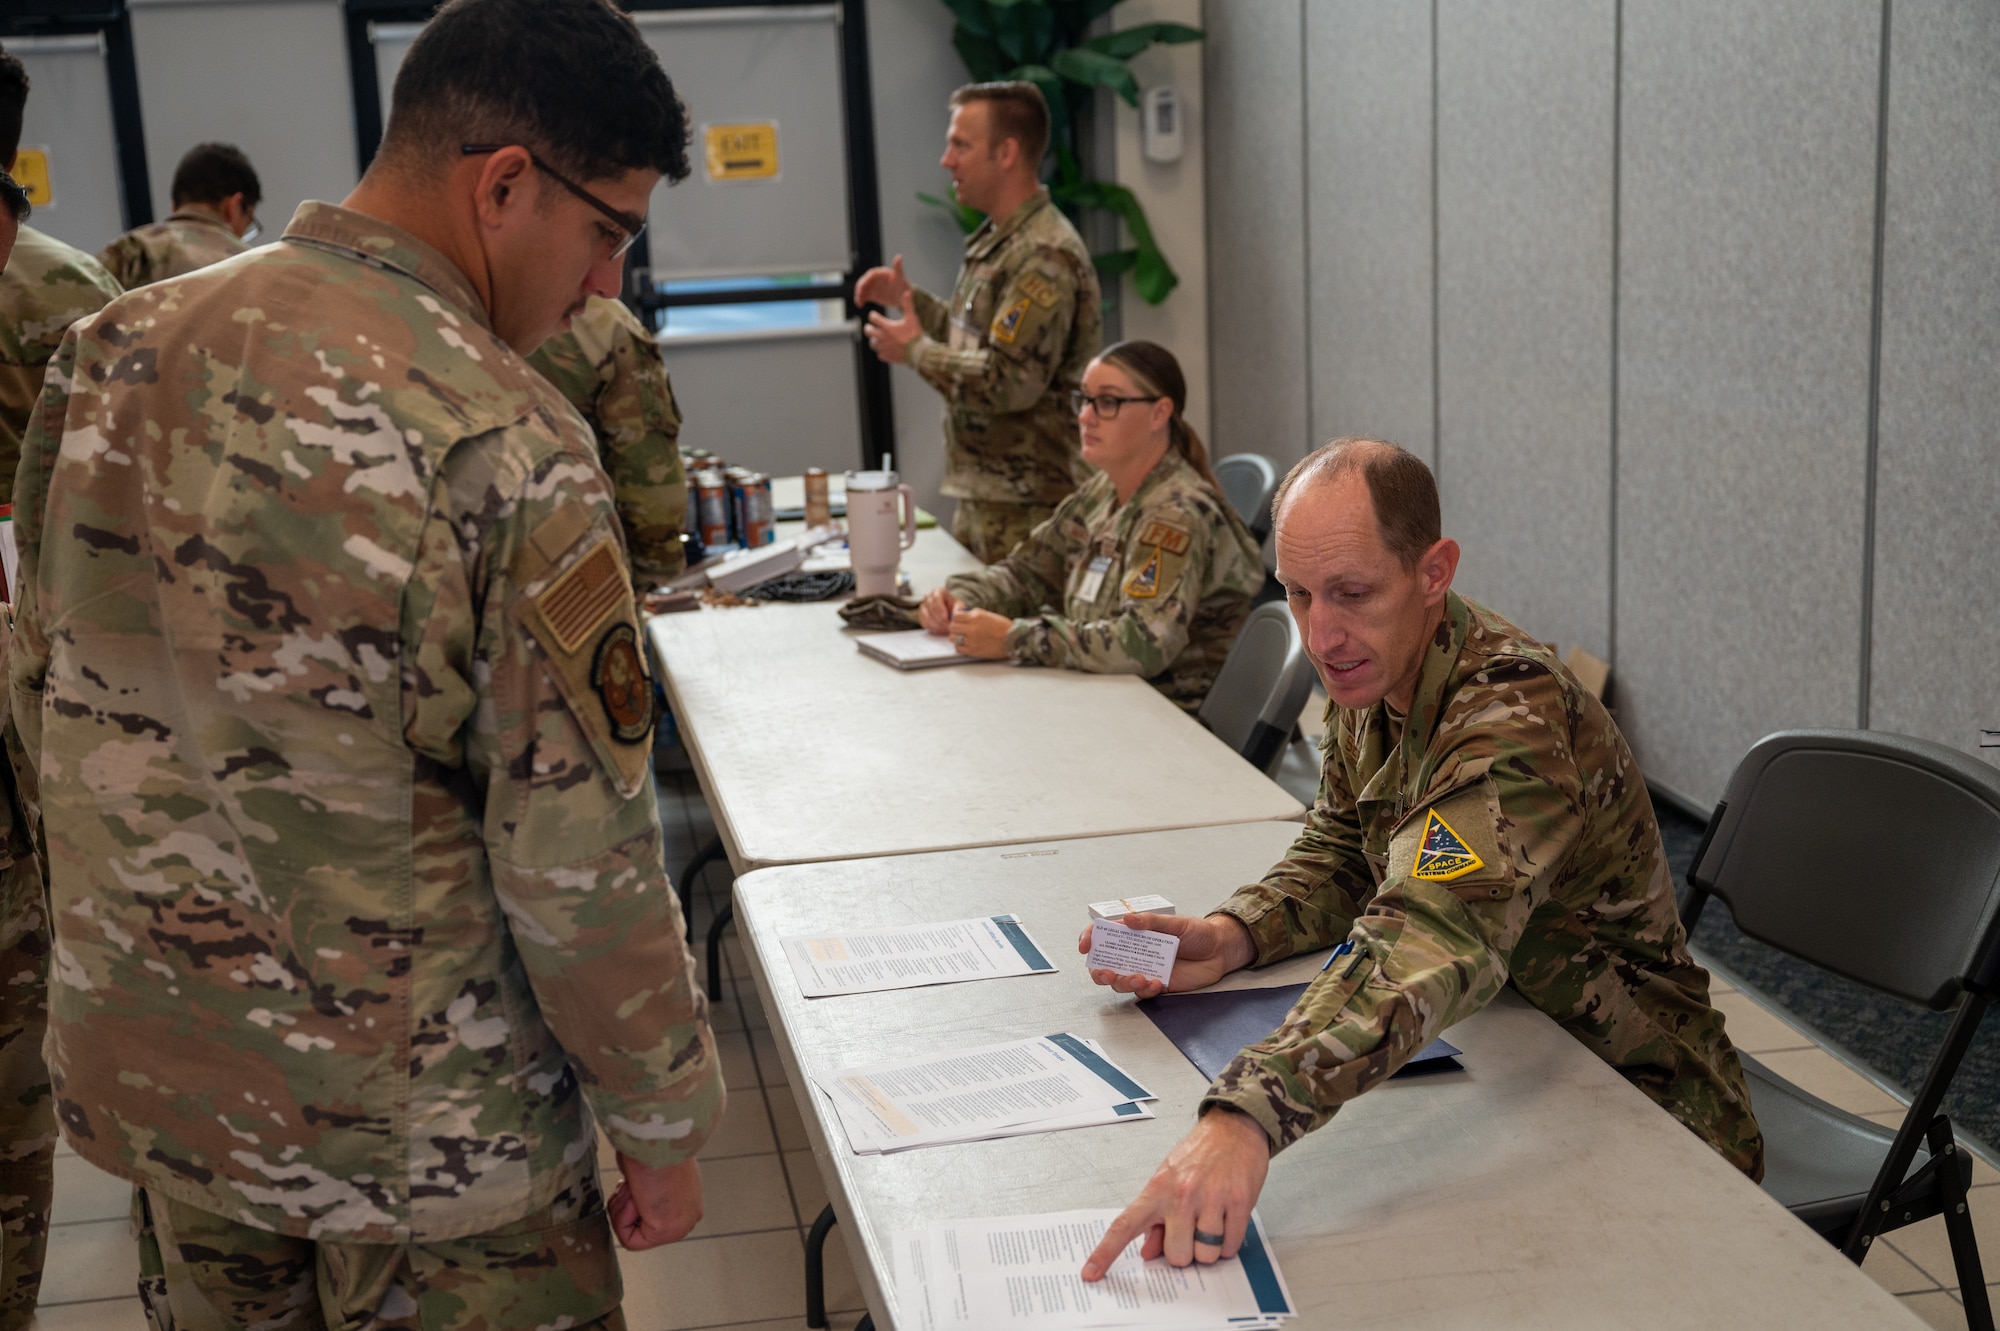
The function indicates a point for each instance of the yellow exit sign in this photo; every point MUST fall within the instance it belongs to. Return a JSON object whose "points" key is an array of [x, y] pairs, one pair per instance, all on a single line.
{"points": [[31, 173], [741, 152]]}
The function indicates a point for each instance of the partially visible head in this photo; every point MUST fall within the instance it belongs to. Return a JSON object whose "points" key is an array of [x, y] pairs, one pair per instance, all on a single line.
{"points": [[551, 91], [1139, 369], [14, 210], [219, 176], [1364, 565], [998, 136], [13, 103]]}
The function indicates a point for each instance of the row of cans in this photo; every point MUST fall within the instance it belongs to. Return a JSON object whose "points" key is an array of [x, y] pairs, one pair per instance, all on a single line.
{"points": [[731, 505]]}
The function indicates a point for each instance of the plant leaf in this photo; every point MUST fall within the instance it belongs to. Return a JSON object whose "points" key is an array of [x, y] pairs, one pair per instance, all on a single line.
{"points": [[1096, 69], [972, 15], [1114, 262], [968, 219], [1026, 31], [1128, 42]]}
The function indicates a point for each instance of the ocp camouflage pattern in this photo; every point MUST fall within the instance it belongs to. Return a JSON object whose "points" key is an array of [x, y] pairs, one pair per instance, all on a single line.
{"points": [[1024, 320], [1179, 576], [183, 243], [990, 531], [609, 368], [1572, 901], [47, 287], [360, 916]]}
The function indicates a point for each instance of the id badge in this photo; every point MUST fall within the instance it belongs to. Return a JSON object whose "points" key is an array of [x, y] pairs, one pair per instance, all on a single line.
{"points": [[1093, 578]]}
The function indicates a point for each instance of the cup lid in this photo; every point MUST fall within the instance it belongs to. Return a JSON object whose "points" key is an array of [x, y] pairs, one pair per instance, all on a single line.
{"points": [[872, 480]]}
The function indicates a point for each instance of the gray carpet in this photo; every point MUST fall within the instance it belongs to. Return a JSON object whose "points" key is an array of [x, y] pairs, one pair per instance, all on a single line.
{"points": [[1894, 1038]]}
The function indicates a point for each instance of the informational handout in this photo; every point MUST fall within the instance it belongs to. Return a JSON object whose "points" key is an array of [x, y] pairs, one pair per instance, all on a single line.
{"points": [[864, 960], [1140, 952], [997, 1090], [1023, 1271], [912, 649]]}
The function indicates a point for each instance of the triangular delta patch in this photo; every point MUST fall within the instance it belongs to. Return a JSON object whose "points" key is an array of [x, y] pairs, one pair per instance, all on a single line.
{"points": [[1443, 855]]}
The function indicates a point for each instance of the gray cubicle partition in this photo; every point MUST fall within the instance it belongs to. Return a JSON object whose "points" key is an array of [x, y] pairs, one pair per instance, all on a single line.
{"points": [[1675, 425], [69, 116]]}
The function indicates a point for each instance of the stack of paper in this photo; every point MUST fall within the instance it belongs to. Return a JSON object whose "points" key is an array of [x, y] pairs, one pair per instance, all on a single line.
{"points": [[913, 954], [1022, 1271], [912, 649], [1045, 1084]]}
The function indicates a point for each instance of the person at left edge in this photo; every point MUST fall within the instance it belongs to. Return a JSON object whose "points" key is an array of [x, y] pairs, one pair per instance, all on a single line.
{"points": [[27, 1111], [608, 366], [215, 194], [327, 648]]}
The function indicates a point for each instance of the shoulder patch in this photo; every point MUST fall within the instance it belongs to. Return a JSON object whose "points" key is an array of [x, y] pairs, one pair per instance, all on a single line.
{"points": [[1442, 854], [588, 592], [1174, 540], [618, 677], [1008, 326], [1038, 289], [1145, 580]]}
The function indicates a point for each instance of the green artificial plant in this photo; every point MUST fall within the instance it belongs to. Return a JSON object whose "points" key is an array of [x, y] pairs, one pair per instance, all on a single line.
{"points": [[1046, 43]]}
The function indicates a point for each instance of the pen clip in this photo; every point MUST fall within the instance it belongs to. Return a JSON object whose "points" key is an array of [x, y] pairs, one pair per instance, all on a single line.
{"points": [[1338, 953]]}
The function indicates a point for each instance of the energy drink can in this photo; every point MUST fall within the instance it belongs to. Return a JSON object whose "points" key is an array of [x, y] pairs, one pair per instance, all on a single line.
{"points": [[712, 508], [754, 512], [819, 504]]}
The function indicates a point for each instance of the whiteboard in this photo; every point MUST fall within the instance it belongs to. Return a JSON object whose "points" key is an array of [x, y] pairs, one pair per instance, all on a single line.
{"points": [[769, 65], [69, 113]]}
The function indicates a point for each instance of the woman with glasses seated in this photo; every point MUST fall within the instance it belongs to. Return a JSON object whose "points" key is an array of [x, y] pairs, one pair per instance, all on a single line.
{"points": [[1145, 570]]}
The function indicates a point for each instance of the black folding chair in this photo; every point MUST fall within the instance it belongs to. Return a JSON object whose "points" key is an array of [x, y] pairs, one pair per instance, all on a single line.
{"points": [[1876, 857], [1253, 706], [1248, 481]]}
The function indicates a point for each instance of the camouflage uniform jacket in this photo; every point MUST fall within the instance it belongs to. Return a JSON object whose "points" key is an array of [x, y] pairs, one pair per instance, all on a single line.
{"points": [[186, 241], [1504, 835], [1157, 586], [328, 651], [47, 287], [609, 368], [1024, 321]]}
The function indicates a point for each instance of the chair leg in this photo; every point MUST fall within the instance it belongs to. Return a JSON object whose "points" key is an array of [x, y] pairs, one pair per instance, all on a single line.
{"points": [[715, 928], [1958, 1224], [711, 851], [822, 1225]]}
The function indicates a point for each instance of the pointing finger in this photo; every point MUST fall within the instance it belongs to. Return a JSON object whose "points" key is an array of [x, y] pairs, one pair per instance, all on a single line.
{"points": [[1133, 1221]]}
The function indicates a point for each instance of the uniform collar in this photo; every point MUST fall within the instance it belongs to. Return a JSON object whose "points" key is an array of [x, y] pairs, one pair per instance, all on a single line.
{"points": [[372, 241], [187, 215], [1168, 465], [990, 233], [1385, 768]]}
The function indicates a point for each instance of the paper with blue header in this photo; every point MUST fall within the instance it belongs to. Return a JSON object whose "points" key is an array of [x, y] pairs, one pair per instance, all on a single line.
{"points": [[909, 955]]}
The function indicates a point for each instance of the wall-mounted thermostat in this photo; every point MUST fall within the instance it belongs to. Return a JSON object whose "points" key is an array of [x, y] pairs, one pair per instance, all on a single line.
{"points": [[1161, 137]]}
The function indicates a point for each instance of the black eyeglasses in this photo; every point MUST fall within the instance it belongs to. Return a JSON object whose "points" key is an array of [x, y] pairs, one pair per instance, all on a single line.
{"points": [[632, 226], [1108, 404]]}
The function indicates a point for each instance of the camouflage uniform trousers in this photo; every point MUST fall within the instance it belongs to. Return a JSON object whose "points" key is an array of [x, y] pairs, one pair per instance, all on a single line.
{"points": [[199, 1271], [27, 1103], [991, 530]]}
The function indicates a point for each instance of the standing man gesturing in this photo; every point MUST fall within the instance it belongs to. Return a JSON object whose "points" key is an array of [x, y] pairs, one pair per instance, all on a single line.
{"points": [[328, 650], [1024, 320]]}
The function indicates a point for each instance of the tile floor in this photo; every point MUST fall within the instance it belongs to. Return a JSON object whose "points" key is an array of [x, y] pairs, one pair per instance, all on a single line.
{"points": [[743, 1269]]}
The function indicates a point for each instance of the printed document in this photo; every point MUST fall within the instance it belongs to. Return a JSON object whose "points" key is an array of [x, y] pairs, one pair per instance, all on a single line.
{"points": [[999, 1090], [912, 955], [1140, 952], [912, 649], [1022, 1271]]}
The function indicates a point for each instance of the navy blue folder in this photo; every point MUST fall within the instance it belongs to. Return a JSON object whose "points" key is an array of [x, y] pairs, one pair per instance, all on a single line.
{"points": [[1213, 1026]]}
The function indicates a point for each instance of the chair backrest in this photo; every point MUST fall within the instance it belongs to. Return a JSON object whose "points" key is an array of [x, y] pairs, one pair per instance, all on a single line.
{"points": [[1256, 697], [1247, 482], [1876, 856]]}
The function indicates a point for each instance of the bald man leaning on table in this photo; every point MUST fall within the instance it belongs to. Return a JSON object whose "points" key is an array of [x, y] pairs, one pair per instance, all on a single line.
{"points": [[1480, 821]]}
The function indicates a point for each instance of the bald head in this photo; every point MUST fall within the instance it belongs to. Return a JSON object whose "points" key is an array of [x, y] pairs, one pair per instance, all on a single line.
{"points": [[1401, 487]]}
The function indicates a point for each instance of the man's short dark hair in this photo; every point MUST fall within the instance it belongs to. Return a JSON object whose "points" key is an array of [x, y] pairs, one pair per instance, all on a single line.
{"points": [[14, 199], [1400, 485], [1018, 111], [13, 101], [573, 81], [211, 172]]}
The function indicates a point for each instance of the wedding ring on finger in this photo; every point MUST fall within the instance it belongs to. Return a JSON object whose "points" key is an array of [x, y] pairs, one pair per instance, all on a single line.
{"points": [[1203, 1236]]}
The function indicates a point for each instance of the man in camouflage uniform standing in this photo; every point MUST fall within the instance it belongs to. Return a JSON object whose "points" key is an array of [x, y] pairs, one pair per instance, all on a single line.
{"points": [[328, 650], [609, 368], [45, 286], [1480, 822], [1023, 321], [215, 194]]}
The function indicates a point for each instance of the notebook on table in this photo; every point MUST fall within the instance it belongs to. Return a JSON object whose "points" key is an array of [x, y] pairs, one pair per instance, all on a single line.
{"points": [[1212, 1026], [912, 649]]}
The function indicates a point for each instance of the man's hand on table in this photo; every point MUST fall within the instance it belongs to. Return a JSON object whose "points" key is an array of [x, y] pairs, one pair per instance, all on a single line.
{"points": [[651, 1206], [1211, 947], [1197, 1205]]}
